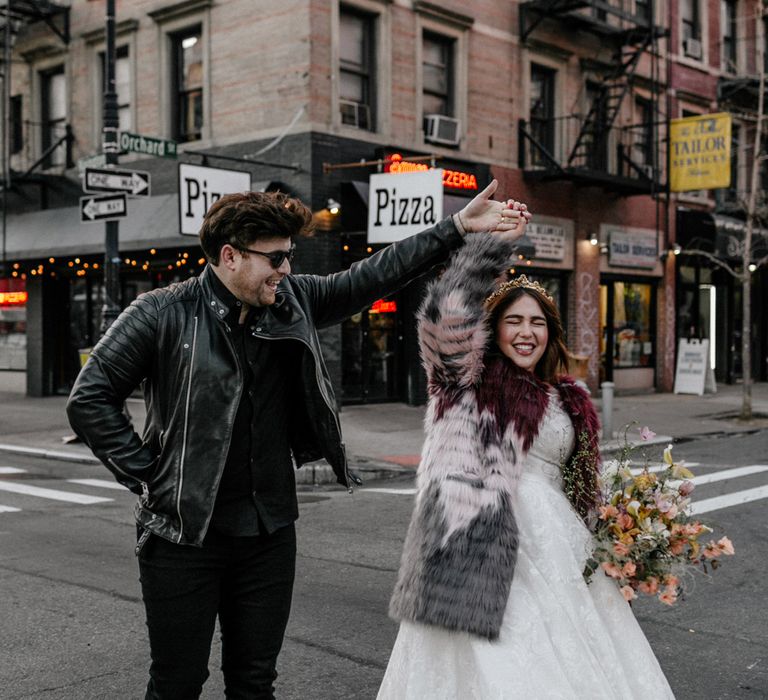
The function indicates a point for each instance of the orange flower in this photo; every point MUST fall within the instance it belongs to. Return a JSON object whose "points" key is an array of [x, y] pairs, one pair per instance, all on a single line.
{"points": [[628, 593], [620, 549], [649, 586], [629, 569], [625, 521], [608, 512], [611, 569], [677, 545]]}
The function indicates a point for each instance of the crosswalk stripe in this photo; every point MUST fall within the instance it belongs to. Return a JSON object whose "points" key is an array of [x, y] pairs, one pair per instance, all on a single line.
{"points": [[399, 492], [98, 483], [729, 499], [730, 474], [660, 468], [9, 509], [27, 490], [12, 470]]}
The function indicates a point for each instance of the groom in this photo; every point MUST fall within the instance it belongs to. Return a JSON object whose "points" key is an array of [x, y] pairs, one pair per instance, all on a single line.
{"points": [[236, 392]]}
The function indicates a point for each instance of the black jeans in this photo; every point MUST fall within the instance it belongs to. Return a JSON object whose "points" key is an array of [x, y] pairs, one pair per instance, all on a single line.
{"points": [[246, 581]]}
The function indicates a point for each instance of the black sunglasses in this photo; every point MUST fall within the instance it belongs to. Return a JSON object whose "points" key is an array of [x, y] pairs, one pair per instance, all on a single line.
{"points": [[276, 257]]}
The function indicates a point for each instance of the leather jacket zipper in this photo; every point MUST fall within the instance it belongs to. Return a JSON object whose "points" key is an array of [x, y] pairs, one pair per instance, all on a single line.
{"points": [[130, 477], [184, 435]]}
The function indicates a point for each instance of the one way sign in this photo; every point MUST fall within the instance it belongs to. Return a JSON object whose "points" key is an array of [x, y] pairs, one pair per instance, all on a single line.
{"points": [[102, 208], [132, 182]]}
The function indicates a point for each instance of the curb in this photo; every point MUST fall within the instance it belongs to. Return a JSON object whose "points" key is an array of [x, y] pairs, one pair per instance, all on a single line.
{"points": [[49, 454]]}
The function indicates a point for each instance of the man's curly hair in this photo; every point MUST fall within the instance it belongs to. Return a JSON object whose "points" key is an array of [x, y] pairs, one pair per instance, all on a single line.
{"points": [[244, 217]]}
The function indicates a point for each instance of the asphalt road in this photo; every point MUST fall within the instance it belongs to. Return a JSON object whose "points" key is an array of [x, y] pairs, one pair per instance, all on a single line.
{"points": [[73, 625]]}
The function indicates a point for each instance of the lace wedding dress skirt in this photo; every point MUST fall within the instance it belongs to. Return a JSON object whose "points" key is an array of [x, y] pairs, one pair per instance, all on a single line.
{"points": [[561, 639]]}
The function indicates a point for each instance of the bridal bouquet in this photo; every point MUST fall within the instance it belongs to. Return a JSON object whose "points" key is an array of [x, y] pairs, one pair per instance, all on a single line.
{"points": [[645, 537]]}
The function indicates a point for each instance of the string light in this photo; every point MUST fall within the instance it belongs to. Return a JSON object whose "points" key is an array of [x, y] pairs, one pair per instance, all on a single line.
{"points": [[51, 260], [152, 251]]}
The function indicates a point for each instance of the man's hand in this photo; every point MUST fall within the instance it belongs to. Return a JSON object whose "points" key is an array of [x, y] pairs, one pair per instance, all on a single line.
{"points": [[506, 219]]}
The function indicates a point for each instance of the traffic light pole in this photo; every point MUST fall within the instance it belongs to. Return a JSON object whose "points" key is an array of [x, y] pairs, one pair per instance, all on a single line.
{"points": [[110, 148]]}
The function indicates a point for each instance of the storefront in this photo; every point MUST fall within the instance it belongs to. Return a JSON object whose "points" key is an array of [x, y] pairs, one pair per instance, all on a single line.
{"points": [[629, 276], [13, 323], [380, 358]]}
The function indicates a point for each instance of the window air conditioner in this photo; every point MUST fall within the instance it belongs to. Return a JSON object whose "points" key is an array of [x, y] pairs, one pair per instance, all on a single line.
{"points": [[692, 48], [441, 129], [355, 114]]}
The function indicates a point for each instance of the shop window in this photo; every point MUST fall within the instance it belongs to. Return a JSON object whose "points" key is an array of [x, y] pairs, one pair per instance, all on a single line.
{"points": [[542, 111], [728, 31], [627, 326], [13, 324], [53, 112], [187, 74], [357, 91], [122, 88]]}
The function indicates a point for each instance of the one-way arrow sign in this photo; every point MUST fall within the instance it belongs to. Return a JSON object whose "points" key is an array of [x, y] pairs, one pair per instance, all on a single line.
{"points": [[102, 208], [132, 182]]}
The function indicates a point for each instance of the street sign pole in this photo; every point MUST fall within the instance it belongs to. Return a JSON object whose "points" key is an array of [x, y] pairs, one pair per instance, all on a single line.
{"points": [[111, 308]]}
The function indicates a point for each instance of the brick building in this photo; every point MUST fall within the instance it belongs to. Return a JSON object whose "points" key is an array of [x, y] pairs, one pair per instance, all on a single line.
{"points": [[567, 106]]}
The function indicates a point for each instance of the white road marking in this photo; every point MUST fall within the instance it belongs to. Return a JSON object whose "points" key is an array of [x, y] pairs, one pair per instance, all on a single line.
{"points": [[661, 467], [729, 499], [27, 490], [730, 473], [398, 492], [9, 509], [99, 483], [11, 470]]}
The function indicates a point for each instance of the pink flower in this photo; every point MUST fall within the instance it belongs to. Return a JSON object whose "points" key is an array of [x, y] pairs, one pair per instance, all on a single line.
{"points": [[686, 488], [620, 549], [646, 433], [629, 569], [711, 551], [671, 582], [725, 546], [628, 593], [625, 521], [611, 569], [608, 512], [668, 597], [677, 546], [649, 586]]}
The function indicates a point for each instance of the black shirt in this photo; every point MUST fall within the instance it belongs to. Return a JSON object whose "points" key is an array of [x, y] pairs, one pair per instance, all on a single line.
{"points": [[257, 491]]}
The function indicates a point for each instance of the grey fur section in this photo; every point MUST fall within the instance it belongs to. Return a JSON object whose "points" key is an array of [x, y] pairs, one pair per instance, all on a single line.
{"points": [[464, 585]]}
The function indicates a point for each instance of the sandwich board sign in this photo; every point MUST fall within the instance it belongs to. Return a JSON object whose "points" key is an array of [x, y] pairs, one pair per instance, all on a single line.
{"points": [[694, 373]]}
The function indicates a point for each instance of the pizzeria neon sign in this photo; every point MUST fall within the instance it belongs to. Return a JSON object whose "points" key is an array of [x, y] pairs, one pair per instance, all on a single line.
{"points": [[452, 179]]}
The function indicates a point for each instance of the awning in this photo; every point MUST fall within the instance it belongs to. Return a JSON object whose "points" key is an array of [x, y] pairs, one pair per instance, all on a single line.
{"points": [[718, 234], [151, 223]]}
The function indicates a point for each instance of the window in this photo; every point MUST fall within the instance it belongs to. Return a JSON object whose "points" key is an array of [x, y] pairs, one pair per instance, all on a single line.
{"points": [[643, 10], [187, 65], [597, 101], [16, 125], [53, 112], [728, 29], [644, 146], [689, 11], [542, 111], [122, 88], [356, 69], [437, 75]]}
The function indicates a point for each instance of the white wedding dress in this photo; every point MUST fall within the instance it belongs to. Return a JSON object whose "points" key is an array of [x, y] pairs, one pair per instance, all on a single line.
{"points": [[561, 639]]}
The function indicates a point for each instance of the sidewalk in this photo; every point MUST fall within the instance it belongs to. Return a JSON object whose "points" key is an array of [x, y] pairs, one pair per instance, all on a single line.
{"points": [[386, 439]]}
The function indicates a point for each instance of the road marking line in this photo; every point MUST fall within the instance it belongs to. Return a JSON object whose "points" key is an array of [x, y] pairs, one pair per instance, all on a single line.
{"points": [[100, 483], [399, 492], [729, 499], [661, 467], [11, 470], [730, 473], [9, 509], [27, 490]]}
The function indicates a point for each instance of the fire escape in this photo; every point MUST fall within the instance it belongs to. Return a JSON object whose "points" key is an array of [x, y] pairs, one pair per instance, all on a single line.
{"points": [[591, 146]]}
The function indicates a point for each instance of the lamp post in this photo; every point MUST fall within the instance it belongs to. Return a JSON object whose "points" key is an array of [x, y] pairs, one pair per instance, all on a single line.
{"points": [[110, 147]]}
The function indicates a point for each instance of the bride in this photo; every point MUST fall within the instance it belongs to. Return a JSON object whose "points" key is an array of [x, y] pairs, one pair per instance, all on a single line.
{"points": [[490, 595]]}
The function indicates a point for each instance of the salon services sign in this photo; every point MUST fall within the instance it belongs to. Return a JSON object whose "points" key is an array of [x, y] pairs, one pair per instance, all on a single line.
{"points": [[700, 152]]}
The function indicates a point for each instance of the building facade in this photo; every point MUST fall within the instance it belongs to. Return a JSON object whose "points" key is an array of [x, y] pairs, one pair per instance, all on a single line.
{"points": [[567, 108]]}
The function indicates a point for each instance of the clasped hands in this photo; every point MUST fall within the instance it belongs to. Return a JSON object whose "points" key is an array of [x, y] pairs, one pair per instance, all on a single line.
{"points": [[504, 219]]}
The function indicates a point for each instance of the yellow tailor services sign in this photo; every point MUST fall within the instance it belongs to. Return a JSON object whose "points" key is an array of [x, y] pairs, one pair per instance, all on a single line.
{"points": [[700, 152]]}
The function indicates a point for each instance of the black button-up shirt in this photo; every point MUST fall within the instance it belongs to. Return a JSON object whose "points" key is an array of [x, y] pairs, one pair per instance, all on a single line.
{"points": [[257, 491]]}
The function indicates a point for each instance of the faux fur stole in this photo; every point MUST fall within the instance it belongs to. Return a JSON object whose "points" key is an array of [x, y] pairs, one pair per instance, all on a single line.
{"points": [[518, 399]]}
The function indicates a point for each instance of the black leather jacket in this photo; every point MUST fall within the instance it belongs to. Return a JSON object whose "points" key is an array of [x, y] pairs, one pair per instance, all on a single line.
{"points": [[176, 341]]}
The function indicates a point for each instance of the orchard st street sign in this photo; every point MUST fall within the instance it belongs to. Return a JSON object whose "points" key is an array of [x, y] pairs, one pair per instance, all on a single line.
{"points": [[148, 145], [131, 182]]}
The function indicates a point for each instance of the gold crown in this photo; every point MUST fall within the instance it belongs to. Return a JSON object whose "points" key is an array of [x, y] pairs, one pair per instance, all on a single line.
{"points": [[521, 281]]}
